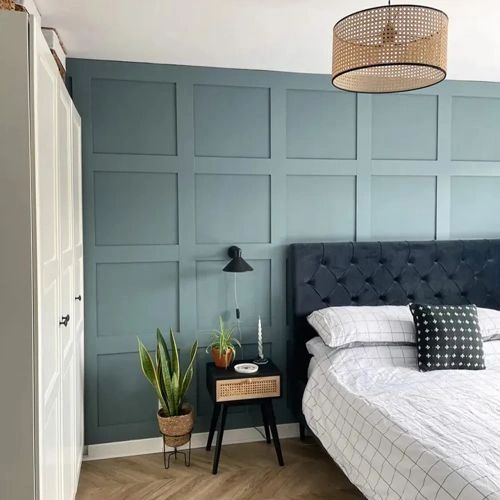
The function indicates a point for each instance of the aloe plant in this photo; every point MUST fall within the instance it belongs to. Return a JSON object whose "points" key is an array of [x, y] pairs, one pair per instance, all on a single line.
{"points": [[165, 374], [223, 339]]}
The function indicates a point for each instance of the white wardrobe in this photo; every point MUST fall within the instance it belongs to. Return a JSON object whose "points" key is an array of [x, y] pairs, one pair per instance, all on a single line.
{"points": [[41, 268]]}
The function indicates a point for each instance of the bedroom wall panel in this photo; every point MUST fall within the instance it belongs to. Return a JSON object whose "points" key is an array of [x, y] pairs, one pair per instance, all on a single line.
{"points": [[412, 198], [129, 406], [404, 127], [120, 109], [242, 117], [260, 160], [331, 119], [150, 287], [136, 208], [329, 201], [475, 128], [240, 206], [215, 293], [475, 216]]}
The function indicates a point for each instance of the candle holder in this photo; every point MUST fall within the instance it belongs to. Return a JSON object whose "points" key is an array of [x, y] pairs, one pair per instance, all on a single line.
{"points": [[260, 360]]}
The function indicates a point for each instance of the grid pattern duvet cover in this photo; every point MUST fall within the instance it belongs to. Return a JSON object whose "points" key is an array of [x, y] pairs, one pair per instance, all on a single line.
{"points": [[401, 434]]}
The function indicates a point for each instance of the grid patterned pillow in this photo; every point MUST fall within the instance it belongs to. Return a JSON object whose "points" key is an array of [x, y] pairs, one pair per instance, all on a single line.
{"points": [[448, 337], [341, 326]]}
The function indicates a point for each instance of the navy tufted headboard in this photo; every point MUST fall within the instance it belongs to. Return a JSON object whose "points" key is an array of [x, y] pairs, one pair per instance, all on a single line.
{"points": [[374, 273]]}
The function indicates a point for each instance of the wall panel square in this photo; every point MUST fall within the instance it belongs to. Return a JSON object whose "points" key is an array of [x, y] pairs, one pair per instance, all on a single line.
{"points": [[134, 208], [134, 117], [135, 298], [475, 207], [320, 207], [124, 396], [233, 208], [215, 293], [403, 207], [474, 129], [321, 124], [404, 127], [232, 121]]}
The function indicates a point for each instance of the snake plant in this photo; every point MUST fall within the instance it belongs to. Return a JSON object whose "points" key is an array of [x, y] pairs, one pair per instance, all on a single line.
{"points": [[165, 374]]}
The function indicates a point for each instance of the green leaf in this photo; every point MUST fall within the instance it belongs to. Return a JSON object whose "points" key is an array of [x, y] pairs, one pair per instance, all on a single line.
{"points": [[175, 393], [175, 356], [160, 340], [150, 373], [167, 381], [189, 371]]}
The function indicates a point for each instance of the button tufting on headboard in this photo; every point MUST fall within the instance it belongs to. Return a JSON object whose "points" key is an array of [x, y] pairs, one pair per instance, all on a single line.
{"points": [[374, 273], [371, 273]]}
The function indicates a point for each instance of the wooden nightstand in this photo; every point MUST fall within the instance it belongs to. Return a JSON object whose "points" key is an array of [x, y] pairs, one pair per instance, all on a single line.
{"points": [[229, 388]]}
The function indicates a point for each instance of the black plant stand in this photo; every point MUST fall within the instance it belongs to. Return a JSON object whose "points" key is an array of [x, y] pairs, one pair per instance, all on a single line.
{"points": [[168, 454]]}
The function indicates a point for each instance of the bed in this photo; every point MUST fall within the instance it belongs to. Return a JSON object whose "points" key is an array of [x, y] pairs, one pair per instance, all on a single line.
{"points": [[398, 433]]}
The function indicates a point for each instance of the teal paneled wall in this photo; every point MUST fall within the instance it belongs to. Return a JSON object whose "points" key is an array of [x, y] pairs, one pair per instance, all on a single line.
{"points": [[181, 162]]}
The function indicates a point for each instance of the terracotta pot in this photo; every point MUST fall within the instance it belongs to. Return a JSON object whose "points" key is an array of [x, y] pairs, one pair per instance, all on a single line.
{"points": [[176, 430], [224, 360]]}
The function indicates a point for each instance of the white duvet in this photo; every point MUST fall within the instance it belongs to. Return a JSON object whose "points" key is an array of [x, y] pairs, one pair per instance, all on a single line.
{"points": [[400, 433]]}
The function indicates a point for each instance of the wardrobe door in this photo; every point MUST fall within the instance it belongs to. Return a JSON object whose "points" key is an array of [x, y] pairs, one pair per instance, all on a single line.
{"points": [[78, 284], [67, 297], [45, 80]]}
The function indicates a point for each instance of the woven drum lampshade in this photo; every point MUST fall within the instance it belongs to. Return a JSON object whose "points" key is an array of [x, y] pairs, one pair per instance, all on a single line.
{"points": [[393, 48]]}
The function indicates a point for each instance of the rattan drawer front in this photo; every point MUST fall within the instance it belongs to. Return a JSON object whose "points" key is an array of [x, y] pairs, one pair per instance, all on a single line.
{"points": [[247, 388]]}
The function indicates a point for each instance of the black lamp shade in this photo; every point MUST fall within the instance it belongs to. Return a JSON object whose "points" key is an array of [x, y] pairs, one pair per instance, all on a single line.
{"points": [[237, 264]]}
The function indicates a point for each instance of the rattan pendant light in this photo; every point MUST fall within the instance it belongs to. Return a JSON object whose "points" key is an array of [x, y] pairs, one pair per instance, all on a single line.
{"points": [[393, 48]]}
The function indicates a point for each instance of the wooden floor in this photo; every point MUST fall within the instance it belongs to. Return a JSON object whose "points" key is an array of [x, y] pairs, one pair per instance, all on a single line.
{"points": [[246, 471]]}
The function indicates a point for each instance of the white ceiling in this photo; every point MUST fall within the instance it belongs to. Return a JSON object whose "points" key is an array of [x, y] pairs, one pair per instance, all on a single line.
{"points": [[284, 35]]}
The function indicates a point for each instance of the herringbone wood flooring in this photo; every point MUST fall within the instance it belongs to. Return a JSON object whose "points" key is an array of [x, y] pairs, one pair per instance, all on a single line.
{"points": [[246, 472]]}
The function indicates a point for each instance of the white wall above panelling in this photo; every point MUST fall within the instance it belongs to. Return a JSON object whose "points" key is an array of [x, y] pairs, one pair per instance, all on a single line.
{"points": [[283, 35]]}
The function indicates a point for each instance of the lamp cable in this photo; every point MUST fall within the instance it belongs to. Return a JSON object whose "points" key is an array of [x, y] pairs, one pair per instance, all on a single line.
{"points": [[238, 321]]}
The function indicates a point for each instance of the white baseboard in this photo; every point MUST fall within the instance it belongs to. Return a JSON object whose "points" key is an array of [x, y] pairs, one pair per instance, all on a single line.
{"points": [[198, 440]]}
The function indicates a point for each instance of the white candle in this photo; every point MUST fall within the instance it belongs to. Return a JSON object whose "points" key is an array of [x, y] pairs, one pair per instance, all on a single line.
{"points": [[259, 340]]}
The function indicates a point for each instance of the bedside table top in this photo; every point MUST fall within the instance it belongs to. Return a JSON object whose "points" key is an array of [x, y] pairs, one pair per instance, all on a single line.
{"points": [[267, 370]]}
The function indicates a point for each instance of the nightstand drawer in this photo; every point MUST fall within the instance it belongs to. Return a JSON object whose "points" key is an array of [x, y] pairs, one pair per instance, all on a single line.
{"points": [[247, 388]]}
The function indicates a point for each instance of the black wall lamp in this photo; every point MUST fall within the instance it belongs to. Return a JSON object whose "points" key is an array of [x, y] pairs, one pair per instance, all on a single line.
{"points": [[237, 264]]}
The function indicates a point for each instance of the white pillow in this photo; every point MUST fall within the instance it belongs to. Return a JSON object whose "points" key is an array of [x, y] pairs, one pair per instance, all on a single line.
{"points": [[317, 348], [489, 322], [374, 356], [492, 354], [338, 326]]}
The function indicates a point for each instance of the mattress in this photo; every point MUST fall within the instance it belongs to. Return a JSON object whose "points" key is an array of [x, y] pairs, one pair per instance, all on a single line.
{"points": [[399, 433]]}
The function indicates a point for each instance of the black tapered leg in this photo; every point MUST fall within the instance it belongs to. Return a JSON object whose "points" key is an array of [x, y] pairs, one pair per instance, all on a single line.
{"points": [[265, 422], [219, 439], [274, 430], [302, 431], [213, 425]]}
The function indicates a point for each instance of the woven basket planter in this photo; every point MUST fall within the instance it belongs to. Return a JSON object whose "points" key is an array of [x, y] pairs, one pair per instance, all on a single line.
{"points": [[177, 430], [7, 5]]}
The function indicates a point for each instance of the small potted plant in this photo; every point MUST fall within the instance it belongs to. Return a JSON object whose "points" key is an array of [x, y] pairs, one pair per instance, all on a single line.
{"points": [[175, 416], [222, 347]]}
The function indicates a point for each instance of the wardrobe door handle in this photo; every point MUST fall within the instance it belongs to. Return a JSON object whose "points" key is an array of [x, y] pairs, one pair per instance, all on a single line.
{"points": [[64, 320], [79, 297]]}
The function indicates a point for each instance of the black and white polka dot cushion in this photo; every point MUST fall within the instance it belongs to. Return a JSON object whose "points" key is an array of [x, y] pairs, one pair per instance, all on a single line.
{"points": [[448, 337]]}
